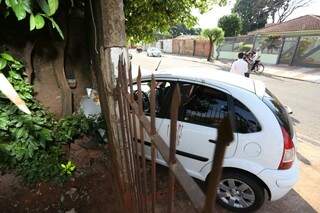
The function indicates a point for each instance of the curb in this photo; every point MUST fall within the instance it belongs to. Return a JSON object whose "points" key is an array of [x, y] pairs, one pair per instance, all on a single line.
{"points": [[263, 74], [286, 77]]}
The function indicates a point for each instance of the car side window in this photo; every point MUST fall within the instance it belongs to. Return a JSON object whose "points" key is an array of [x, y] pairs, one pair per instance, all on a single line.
{"points": [[245, 121], [164, 91], [202, 105]]}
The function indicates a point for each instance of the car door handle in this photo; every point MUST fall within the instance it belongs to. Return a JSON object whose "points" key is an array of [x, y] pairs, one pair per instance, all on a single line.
{"points": [[212, 141]]}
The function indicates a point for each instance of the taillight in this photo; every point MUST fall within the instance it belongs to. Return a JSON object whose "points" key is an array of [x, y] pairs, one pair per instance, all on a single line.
{"points": [[288, 151]]}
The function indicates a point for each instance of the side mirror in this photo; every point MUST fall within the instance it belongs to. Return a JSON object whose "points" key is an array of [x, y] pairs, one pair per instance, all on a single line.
{"points": [[289, 110]]}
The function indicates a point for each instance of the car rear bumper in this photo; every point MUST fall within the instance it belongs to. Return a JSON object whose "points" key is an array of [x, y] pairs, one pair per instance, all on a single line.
{"points": [[280, 182]]}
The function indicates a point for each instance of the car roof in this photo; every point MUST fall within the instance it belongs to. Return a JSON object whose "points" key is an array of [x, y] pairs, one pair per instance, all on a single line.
{"points": [[211, 76]]}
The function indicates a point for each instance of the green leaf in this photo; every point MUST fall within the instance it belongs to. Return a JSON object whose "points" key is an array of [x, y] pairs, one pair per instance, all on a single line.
{"points": [[44, 6], [45, 134], [3, 63], [19, 11], [56, 26], [6, 13], [39, 21], [8, 57], [8, 3], [20, 132], [53, 6], [27, 5], [32, 22]]}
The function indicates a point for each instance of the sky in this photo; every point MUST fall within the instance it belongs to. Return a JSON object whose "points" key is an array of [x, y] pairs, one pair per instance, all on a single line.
{"points": [[210, 19]]}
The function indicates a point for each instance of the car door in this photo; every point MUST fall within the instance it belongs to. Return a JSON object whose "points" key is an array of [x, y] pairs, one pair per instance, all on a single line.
{"points": [[202, 110], [164, 89]]}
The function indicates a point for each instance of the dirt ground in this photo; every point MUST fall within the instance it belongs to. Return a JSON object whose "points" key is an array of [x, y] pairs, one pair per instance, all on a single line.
{"points": [[91, 189]]}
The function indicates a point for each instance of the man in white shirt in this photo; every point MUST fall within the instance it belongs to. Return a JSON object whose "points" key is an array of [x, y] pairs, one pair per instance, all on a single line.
{"points": [[240, 66]]}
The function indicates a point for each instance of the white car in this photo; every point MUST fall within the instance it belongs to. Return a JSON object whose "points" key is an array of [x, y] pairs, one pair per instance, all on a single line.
{"points": [[153, 51], [259, 163]]}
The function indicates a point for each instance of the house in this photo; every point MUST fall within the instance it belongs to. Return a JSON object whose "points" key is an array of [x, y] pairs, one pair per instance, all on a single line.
{"points": [[294, 42]]}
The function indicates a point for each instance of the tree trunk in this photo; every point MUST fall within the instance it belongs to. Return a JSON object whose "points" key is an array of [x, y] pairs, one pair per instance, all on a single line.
{"points": [[210, 51], [58, 67], [107, 44], [27, 55]]}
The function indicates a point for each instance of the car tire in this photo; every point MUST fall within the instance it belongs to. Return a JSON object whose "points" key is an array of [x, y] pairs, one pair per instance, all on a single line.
{"points": [[244, 195]]}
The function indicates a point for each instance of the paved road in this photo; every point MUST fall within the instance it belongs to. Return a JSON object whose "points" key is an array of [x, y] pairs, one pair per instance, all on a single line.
{"points": [[303, 99]]}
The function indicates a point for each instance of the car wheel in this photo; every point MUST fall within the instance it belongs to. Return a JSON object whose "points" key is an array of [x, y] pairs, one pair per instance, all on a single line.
{"points": [[259, 68], [239, 192]]}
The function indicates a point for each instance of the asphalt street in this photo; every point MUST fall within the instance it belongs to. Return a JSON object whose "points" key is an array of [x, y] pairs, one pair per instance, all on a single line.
{"points": [[303, 98]]}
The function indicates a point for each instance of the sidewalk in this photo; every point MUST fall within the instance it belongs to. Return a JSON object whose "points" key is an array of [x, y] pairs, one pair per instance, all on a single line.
{"points": [[284, 71]]}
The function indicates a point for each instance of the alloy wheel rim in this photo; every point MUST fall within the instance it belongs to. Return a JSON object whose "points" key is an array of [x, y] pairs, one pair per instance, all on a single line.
{"points": [[235, 193]]}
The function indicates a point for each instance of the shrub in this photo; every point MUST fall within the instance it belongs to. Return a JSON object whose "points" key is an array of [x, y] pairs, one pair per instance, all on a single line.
{"points": [[28, 143]]}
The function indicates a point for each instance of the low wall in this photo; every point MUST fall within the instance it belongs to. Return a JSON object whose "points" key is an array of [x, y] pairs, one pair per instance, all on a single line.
{"points": [[265, 58], [227, 55], [202, 48], [269, 58], [183, 46], [167, 46]]}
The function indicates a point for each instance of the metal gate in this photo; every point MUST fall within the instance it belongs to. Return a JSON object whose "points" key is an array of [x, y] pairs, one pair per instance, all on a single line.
{"points": [[131, 170]]}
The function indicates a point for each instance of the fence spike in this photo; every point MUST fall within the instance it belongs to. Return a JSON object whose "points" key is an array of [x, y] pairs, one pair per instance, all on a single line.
{"points": [[225, 137], [153, 147], [175, 103]]}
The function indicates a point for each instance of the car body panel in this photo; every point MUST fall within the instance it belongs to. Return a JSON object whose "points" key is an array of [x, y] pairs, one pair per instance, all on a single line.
{"points": [[258, 153]]}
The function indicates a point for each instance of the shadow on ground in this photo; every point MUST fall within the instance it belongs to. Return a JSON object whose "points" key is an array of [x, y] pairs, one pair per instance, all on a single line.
{"points": [[291, 203]]}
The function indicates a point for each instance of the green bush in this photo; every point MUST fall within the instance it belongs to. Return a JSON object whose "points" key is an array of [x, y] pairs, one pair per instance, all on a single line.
{"points": [[245, 47], [31, 144]]}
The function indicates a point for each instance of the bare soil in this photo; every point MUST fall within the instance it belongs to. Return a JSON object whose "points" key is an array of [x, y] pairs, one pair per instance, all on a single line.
{"points": [[91, 189]]}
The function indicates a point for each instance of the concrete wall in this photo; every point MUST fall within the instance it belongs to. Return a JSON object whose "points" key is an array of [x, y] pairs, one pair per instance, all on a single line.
{"points": [[183, 46], [269, 58], [227, 55], [265, 58], [146, 46], [167, 45], [201, 48], [158, 45]]}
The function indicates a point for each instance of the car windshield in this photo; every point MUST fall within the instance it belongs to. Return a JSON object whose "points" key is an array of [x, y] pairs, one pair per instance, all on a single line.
{"points": [[279, 111]]}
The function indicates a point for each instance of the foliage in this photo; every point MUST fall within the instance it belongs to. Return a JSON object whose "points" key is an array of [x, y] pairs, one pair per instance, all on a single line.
{"points": [[181, 29], [280, 10], [37, 10], [68, 169], [231, 25], [270, 43], [71, 127], [44, 165], [28, 142], [252, 13], [245, 47], [215, 36], [144, 18]]}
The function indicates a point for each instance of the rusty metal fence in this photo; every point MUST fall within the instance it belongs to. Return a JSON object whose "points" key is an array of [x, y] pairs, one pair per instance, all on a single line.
{"points": [[135, 184]]}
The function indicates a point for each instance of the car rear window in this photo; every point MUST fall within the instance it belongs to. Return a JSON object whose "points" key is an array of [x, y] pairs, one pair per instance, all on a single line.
{"points": [[279, 111]]}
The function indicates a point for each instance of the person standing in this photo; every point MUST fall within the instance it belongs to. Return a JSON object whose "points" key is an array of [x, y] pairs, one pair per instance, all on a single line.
{"points": [[240, 66]]}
